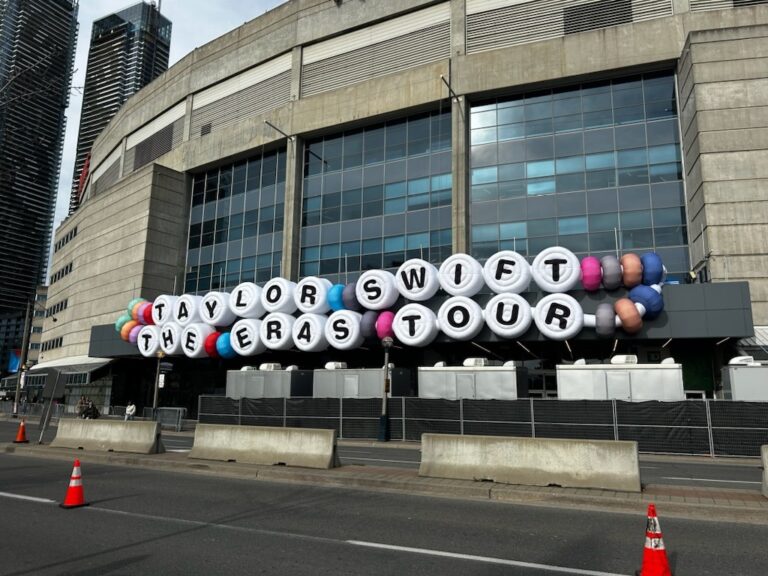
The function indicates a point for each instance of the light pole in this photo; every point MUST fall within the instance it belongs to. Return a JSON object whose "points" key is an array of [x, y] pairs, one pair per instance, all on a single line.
{"points": [[160, 355], [384, 418], [23, 359]]}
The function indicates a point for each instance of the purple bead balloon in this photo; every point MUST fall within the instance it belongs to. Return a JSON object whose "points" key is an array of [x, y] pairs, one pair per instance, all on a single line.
{"points": [[133, 335]]}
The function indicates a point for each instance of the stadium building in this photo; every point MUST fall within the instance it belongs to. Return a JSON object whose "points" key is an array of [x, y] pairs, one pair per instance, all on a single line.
{"points": [[329, 138]]}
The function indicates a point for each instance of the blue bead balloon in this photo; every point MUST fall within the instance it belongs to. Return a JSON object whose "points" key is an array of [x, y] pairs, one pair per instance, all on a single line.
{"points": [[224, 346], [649, 298], [653, 269], [335, 297]]}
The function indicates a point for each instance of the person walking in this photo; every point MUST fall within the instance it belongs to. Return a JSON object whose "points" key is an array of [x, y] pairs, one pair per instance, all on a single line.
{"points": [[130, 410]]}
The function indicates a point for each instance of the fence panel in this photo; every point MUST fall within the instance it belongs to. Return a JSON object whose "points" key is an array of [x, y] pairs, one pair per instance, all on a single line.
{"points": [[739, 428], [665, 427]]}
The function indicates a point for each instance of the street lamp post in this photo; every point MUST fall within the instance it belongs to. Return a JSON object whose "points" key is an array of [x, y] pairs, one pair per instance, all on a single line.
{"points": [[384, 418], [23, 359], [157, 384]]}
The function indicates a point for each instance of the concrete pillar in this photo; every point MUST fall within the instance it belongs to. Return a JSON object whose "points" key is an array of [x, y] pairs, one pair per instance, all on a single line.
{"points": [[459, 168], [123, 149], [188, 118], [292, 219], [296, 59], [458, 27]]}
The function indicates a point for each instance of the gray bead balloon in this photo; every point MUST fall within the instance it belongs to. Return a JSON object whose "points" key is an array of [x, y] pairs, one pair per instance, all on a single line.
{"points": [[349, 299], [611, 272], [605, 320], [368, 324]]}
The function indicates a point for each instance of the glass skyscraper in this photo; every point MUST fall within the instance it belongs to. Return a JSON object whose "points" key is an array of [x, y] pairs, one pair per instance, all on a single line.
{"points": [[37, 41], [128, 50]]}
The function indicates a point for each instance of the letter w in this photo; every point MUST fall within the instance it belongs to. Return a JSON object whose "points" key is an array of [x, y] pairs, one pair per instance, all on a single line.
{"points": [[413, 277]]}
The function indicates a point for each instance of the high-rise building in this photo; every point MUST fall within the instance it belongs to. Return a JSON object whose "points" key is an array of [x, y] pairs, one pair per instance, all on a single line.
{"points": [[37, 42], [128, 50]]}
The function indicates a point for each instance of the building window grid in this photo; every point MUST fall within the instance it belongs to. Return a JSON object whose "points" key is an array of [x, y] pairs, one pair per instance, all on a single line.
{"points": [[378, 178], [241, 207], [564, 196]]}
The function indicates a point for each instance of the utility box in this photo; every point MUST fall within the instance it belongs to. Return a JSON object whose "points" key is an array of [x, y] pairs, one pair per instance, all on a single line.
{"points": [[621, 381], [745, 379], [473, 382], [362, 383], [251, 383]]}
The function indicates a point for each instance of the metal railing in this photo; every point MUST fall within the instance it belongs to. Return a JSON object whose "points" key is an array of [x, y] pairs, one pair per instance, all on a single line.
{"points": [[699, 427]]}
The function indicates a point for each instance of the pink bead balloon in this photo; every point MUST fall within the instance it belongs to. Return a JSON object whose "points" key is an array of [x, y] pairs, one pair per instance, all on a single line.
{"points": [[384, 324], [591, 273]]}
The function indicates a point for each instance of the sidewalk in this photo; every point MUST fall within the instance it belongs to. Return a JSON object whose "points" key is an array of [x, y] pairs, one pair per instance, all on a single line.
{"points": [[698, 503]]}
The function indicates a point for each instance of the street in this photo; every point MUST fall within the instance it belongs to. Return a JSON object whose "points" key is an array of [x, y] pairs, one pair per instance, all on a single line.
{"points": [[152, 522]]}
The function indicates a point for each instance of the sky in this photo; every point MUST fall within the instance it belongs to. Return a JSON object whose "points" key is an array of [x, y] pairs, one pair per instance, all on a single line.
{"points": [[195, 22]]}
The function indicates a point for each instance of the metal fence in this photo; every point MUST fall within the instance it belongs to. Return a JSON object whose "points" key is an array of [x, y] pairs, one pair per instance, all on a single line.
{"points": [[701, 427]]}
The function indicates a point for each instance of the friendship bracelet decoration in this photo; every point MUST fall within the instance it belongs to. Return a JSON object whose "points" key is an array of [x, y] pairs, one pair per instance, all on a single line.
{"points": [[313, 314]]}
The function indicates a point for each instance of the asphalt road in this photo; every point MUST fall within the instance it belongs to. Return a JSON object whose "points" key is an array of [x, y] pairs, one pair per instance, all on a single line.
{"points": [[699, 472], [142, 521]]}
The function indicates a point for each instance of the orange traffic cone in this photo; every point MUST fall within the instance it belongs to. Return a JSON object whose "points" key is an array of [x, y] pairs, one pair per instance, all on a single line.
{"points": [[21, 435], [655, 561], [75, 497]]}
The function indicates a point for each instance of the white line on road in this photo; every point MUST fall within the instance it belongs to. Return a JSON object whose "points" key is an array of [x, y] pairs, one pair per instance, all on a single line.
{"points": [[178, 450], [711, 480], [28, 498], [380, 460], [485, 559]]}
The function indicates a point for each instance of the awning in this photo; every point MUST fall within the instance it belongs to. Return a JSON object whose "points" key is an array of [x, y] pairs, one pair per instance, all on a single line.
{"points": [[757, 342], [73, 364]]}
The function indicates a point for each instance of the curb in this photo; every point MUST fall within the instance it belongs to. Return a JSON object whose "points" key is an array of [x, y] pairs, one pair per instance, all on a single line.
{"points": [[406, 481]]}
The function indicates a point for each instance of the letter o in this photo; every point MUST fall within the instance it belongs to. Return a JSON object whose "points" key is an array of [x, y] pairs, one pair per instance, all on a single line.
{"points": [[471, 318], [277, 296]]}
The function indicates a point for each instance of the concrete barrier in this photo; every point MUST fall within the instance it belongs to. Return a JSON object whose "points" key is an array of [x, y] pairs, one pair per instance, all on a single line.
{"points": [[764, 453], [532, 461], [109, 436], [307, 447]]}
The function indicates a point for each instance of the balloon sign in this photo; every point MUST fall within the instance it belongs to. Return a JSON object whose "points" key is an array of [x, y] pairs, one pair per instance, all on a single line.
{"points": [[313, 314]]}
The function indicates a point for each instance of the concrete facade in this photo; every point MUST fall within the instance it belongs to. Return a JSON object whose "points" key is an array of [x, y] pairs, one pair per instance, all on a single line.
{"points": [[718, 55], [126, 242], [724, 102]]}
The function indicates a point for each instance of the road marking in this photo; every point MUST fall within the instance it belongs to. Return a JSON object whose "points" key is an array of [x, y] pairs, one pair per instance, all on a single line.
{"points": [[178, 450], [486, 559], [711, 480], [425, 551], [380, 460], [28, 498]]}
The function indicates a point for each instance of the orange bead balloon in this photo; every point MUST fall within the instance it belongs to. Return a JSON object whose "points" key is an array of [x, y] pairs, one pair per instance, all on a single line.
{"points": [[126, 329], [632, 270], [135, 310], [631, 321]]}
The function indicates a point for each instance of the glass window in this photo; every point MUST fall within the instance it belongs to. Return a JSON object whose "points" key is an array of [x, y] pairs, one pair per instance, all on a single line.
{"points": [[599, 156], [574, 225]]}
